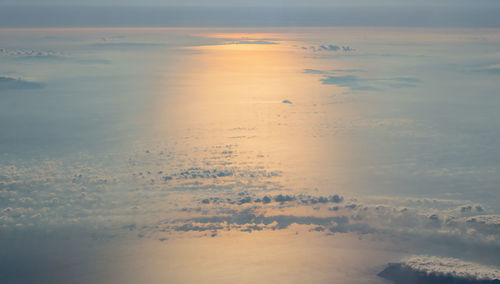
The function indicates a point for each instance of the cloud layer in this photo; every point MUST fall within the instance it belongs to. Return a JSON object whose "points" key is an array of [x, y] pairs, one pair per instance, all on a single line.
{"points": [[431, 269]]}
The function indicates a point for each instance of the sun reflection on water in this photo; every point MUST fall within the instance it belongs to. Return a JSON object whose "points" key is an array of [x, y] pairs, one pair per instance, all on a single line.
{"points": [[256, 97]]}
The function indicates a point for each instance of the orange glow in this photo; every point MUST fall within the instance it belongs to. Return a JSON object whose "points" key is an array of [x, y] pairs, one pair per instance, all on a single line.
{"points": [[232, 94]]}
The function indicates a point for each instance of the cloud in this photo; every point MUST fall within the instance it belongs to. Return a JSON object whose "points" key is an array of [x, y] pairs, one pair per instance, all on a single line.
{"points": [[491, 69], [432, 269], [301, 199], [334, 71], [252, 42], [315, 71], [328, 48], [30, 54], [248, 219], [404, 82], [350, 81], [50, 195], [347, 48], [355, 82], [9, 83], [412, 220], [210, 197], [125, 44]]}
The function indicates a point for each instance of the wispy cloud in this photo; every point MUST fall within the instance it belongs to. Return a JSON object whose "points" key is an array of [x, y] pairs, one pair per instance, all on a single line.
{"points": [[491, 69], [252, 42], [334, 71], [350, 81], [345, 78], [328, 48], [31, 54], [125, 44], [7, 83]]}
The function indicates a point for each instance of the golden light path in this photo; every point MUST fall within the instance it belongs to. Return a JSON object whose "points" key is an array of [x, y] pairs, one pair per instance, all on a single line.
{"points": [[232, 94], [236, 93]]}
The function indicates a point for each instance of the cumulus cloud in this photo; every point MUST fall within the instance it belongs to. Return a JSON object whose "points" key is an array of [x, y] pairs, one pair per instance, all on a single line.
{"points": [[432, 269], [280, 198], [7, 83], [215, 196], [418, 219], [50, 194], [247, 220], [212, 198]]}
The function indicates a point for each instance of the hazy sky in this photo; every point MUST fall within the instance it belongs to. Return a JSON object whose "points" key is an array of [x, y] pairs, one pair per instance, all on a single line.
{"points": [[287, 3], [223, 13]]}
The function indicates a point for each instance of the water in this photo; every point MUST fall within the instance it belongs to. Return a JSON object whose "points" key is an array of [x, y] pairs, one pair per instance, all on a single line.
{"points": [[292, 155]]}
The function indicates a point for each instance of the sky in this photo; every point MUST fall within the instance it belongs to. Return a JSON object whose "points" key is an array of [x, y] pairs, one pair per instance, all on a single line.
{"points": [[207, 3], [109, 13]]}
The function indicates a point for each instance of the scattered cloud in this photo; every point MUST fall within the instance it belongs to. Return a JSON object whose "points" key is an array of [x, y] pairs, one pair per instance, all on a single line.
{"points": [[154, 195]]}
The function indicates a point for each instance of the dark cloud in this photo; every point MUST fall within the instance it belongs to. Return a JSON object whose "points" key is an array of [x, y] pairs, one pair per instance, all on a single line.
{"points": [[9, 83]]}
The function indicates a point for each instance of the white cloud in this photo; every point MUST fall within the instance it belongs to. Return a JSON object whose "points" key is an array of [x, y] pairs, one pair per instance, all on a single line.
{"points": [[432, 269]]}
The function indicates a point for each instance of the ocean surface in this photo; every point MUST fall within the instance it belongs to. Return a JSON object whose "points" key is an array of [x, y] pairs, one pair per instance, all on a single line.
{"points": [[248, 155]]}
